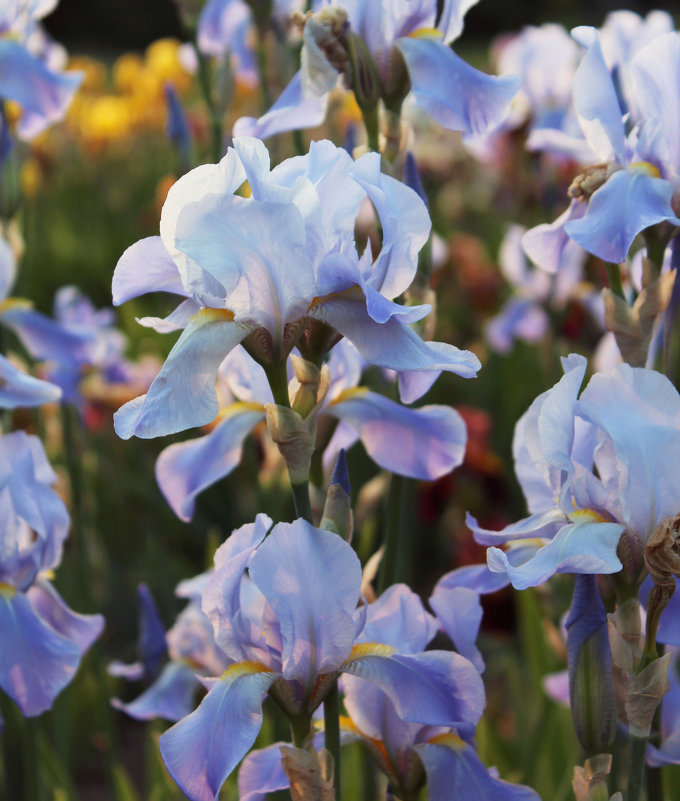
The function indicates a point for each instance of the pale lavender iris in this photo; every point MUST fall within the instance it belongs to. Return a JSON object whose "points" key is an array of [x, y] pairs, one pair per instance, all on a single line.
{"points": [[41, 639], [590, 468], [271, 265], [284, 611], [447, 88]]}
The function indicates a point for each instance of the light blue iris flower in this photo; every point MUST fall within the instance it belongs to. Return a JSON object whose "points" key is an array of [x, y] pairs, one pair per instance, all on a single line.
{"points": [[453, 93], [284, 611], [590, 468], [41, 639], [270, 265]]}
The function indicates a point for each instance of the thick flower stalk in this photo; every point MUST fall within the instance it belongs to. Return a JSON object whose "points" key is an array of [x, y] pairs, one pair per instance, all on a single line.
{"points": [[276, 269]]}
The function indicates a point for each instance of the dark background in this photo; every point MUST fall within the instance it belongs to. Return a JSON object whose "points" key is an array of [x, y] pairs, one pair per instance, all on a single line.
{"points": [[117, 25]]}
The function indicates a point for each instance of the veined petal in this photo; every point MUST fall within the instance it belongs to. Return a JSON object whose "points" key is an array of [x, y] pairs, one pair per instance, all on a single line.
{"points": [[423, 443], [183, 394], [202, 749], [391, 344], [455, 771], [18, 389], [292, 111], [541, 524], [439, 688], [624, 206], [456, 95], [185, 469], [36, 662], [26, 80], [261, 773], [312, 580], [576, 548], [171, 697], [145, 267]]}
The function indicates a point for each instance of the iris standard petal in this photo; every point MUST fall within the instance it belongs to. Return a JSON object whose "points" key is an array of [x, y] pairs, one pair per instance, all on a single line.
{"points": [[183, 394], [455, 771], [576, 548], [312, 580], [171, 697], [185, 469], [292, 111], [202, 749], [453, 93], [628, 203], [36, 662], [460, 613], [439, 688], [145, 267], [424, 443], [398, 618]]}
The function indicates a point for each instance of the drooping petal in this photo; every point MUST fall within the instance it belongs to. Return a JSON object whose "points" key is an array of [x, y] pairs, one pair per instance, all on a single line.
{"points": [[312, 580], [456, 95], [545, 244], [44, 338], [398, 618], [451, 18], [261, 773], [18, 389], [292, 111], [202, 749], [455, 771], [460, 612], [36, 662], [391, 344], [424, 443], [185, 469], [26, 80], [81, 630], [145, 267], [171, 697], [541, 524], [628, 203], [576, 548], [439, 688], [183, 394]]}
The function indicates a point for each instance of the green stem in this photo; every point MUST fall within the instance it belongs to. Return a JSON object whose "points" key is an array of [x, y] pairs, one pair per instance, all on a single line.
{"points": [[300, 729], [205, 81], [303, 506], [370, 116], [19, 754], [400, 505], [614, 276], [636, 770], [331, 720], [75, 476], [261, 51]]}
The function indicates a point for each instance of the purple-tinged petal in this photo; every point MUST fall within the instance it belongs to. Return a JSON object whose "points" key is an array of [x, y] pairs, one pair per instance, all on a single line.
{"points": [[312, 580], [178, 319], [145, 267], [151, 642], [541, 524], [81, 630], [424, 443], [545, 244], [596, 101], [17, 389], [202, 749], [261, 772], [292, 111], [398, 618], [391, 344], [460, 613], [183, 394], [36, 662], [439, 688], [185, 469], [219, 22], [451, 18], [453, 93], [44, 338], [474, 577], [628, 203], [26, 80], [455, 771], [519, 319], [576, 548], [171, 697], [8, 266], [556, 686]]}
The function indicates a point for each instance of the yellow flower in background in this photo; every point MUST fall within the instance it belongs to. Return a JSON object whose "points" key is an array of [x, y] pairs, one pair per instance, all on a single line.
{"points": [[127, 72], [163, 62]]}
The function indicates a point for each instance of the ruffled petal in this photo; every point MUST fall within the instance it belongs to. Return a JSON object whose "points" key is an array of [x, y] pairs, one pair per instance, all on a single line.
{"points": [[202, 749], [424, 443], [456, 95], [183, 394], [185, 469]]}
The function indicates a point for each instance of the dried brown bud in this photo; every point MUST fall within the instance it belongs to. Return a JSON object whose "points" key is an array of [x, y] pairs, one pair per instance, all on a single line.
{"points": [[324, 55], [310, 774], [591, 179], [662, 552]]}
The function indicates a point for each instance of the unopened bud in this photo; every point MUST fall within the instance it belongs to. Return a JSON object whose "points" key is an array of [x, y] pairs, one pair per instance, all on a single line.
{"points": [[177, 127], [647, 688], [337, 511], [629, 551], [591, 689], [306, 386], [10, 175], [295, 439], [310, 773], [591, 179], [662, 552], [365, 81]]}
